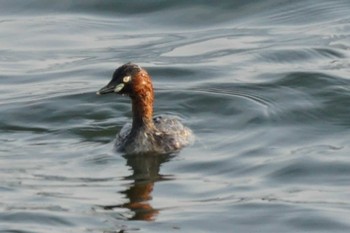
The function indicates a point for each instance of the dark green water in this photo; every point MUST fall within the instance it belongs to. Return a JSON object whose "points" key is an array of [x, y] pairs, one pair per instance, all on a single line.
{"points": [[264, 86]]}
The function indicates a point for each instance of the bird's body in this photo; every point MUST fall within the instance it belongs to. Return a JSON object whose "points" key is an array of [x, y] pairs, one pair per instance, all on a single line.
{"points": [[146, 134]]}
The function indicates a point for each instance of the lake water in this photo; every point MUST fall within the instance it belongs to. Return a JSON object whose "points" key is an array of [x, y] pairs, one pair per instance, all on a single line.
{"points": [[264, 85]]}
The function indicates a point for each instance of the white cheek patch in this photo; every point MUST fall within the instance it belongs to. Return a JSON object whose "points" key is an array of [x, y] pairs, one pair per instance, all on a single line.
{"points": [[119, 87], [126, 79]]}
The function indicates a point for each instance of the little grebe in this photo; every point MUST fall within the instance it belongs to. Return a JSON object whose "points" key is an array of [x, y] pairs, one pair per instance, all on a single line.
{"points": [[161, 134]]}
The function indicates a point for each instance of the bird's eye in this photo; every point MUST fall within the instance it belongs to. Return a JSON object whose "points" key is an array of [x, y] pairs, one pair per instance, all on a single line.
{"points": [[126, 79]]}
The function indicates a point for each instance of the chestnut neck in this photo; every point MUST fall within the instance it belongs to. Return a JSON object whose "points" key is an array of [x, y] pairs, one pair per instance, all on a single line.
{"points": [[142, 102], [142, 114]]}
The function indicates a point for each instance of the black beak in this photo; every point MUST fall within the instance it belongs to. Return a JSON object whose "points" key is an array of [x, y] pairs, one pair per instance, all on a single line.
{"points": [[106, 90]]}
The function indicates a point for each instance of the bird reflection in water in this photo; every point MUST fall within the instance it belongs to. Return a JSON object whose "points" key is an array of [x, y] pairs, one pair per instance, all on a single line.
{"points": [[139, 194]]}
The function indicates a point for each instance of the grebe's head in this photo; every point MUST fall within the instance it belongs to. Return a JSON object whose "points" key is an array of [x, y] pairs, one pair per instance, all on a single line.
{"points": [[129, 79]]}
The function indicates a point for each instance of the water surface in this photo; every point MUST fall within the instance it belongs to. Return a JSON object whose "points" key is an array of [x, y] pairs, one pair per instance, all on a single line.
{"points": [[264, 86]]}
